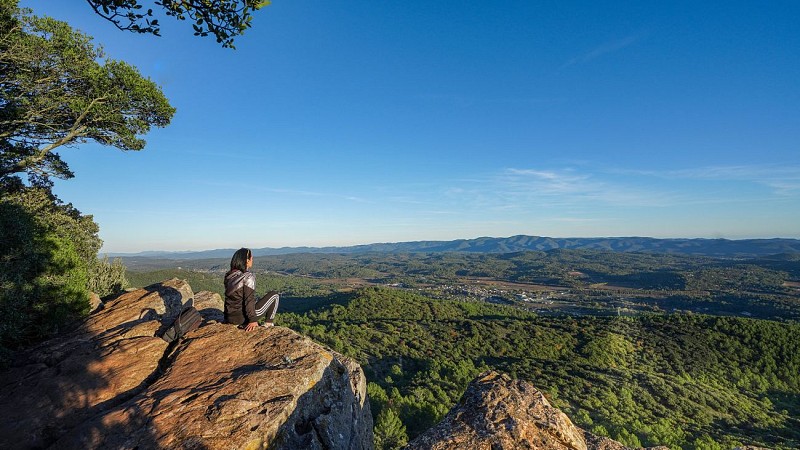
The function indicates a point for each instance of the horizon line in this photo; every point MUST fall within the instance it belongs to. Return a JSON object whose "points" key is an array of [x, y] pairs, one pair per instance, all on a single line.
{"points": [[284, 247]]}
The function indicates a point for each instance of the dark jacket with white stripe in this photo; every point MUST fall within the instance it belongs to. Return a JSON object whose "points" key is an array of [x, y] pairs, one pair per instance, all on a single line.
{"points": [[240, 297]]}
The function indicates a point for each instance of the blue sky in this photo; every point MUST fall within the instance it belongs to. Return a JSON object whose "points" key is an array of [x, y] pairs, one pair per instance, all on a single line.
{"points": [[352, 122]]}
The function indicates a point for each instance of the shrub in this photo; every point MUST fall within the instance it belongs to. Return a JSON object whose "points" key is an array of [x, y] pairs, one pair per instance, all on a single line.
{"points": [[46, 248], [107, 278]]}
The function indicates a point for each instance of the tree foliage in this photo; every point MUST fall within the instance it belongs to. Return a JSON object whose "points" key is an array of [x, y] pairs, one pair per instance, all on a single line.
{"points": [[55, 91], [223, 19], [48, 265], [390, 433], [45, 251], [106, 277]]}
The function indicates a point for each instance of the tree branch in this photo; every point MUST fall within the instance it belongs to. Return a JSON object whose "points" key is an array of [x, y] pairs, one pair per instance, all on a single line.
{"points": [[76, 130]]}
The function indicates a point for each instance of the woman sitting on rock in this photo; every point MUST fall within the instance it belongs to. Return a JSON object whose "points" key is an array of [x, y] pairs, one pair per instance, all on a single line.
{"points": [[241, 306]]}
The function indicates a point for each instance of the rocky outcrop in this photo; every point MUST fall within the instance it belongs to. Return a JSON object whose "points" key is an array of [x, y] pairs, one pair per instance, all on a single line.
{"points": [[210, 305], [114, 384], [57, 385], [95, 303], [497, 413]]}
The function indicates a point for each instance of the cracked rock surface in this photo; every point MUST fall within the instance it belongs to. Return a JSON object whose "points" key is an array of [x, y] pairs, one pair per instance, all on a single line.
{"points": [[113, 384]]}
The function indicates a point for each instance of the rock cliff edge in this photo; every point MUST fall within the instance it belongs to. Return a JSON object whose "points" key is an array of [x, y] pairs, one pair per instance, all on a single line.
{"points": [[113, 384]]}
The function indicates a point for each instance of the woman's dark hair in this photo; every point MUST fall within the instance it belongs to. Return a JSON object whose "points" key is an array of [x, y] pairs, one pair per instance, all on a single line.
{"points": [[239, 260]]}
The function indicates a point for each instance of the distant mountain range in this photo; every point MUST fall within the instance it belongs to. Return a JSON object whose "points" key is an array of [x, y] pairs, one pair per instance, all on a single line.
{"points": [[724, 248]]}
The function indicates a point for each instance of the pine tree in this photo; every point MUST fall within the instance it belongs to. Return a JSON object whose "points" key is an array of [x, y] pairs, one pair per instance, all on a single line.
{"points": [[390, 433]]}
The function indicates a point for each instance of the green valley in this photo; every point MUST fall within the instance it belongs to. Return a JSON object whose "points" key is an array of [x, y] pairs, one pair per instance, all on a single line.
{"points": [[688, 352]]}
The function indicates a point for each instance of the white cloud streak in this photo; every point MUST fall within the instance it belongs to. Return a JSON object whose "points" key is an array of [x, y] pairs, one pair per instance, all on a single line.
{"points": [[568, 187], [782, 179], [601, 50], [578, 192]]}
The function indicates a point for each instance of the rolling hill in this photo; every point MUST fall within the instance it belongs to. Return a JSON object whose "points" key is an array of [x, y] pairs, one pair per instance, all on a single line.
{"points": [[723, 248]]}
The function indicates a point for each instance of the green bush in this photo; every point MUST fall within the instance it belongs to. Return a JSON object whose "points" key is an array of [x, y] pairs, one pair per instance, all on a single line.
{"points": [[107, 278], [46, 249], [60, 294]]}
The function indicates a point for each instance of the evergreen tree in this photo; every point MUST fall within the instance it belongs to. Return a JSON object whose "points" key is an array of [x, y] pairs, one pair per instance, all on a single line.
{"points": [[390, 433]]}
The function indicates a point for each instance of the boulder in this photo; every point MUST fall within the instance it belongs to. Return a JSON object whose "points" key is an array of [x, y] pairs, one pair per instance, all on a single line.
{"points": [[210, 305], [226, 388], [114, 384], [95, 303], [497, 413], [112, 356]]}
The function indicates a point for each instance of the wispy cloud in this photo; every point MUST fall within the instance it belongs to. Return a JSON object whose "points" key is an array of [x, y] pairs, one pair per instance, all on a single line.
{"points": [[601, 50], [574, 195], [569, 187], [782, 179], [523, 190], [578, 191], [549, 182]]}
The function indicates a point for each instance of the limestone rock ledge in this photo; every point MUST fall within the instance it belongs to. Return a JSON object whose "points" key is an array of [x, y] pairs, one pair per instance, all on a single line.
{"points": [[112, 384], [498, 413]]}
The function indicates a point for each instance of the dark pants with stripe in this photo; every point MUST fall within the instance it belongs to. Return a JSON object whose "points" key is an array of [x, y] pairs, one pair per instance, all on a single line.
{"points": [[267, 306]]}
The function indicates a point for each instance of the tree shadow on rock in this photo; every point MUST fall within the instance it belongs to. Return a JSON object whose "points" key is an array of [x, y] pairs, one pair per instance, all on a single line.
{"points": [[76, 390]]}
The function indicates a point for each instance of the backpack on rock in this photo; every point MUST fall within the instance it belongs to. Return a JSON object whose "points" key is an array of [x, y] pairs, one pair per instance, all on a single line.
{"points": [[188, 320]]}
